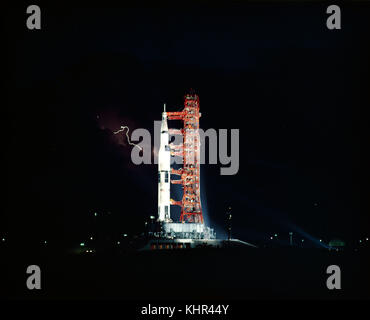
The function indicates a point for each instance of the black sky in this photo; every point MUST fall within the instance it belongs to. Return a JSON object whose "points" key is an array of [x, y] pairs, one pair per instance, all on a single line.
{"points": [[296, 91]]}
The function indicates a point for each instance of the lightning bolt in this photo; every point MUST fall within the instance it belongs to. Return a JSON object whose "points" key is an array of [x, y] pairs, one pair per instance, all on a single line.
{"points": [[128, 138]]}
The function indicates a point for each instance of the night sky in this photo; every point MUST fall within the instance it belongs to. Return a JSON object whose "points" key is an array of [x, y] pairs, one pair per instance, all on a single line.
{"points": [[297, 91]]}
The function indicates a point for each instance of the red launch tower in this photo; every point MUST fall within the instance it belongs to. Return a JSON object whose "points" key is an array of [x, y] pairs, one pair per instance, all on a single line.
{"points": [[189, 150]]}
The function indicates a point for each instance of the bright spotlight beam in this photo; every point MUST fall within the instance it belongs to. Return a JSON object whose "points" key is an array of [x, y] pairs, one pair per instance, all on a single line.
{"points": [[128, 138]]}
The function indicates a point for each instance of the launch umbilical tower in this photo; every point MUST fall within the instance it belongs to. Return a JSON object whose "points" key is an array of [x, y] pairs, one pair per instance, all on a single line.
{"points": [[189, 150]]}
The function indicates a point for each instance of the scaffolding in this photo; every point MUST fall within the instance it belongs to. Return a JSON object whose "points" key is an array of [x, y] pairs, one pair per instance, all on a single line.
{"points": [[189, 151]]}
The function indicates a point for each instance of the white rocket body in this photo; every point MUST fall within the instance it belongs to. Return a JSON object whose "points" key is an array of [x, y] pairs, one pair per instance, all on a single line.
{"points": [[164, 172]]}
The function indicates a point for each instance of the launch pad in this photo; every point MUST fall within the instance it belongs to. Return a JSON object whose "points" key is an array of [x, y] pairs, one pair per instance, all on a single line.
{"points": [[169, 230], [188, 231], [190, 243]]}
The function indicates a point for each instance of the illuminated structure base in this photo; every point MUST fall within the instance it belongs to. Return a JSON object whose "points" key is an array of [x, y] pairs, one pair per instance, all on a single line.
{"points": [[170, 230], [187, 231]]}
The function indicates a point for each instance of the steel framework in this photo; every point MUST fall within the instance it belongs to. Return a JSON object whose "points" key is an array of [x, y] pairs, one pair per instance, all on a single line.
{"points": [[189, 150]]}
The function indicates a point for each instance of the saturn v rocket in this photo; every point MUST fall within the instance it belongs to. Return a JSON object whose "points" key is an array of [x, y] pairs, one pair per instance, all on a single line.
{"points": [[164, 172]]}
